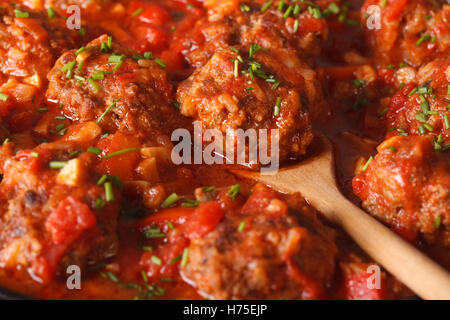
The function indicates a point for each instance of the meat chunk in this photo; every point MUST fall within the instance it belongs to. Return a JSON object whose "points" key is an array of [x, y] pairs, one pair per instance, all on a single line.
{"points": [[243, 23], [30, 43], [104, 83], [267, 90], [414, 32], [407, 185], [422, 106], [52, 218], [261, 252]]}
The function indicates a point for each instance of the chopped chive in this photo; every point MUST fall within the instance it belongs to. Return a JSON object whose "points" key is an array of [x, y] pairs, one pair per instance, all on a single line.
{"points": [[170, 200], [118, 153], [390, 67], [428, 127], [68, 66], [189, 203], [109, 192], [51, 13], [244, 7], [422, 39], [114, 58], [4, 96], [82, 32], [34, 154], [234, 191], [21, 14], [57, 164], [171, 227], [276, 111], [236, 68], [93, 150], [266, 6], [160, 62], [6, 141], [80, 65], [383, 3], [383, 112], [166, 279], [109, 42], [137, 12], [208, 189], [93, 84], [153, 232], [147, 248], [447, 122], [412, 91], [364, 168], [296, 23], [421, 117], [82, 49], [393, 149], [148, 55], [437, 222], [102, 179], [99, 204], [288, 12], [296, 9], [280, 6], [113, 277], [156, 260], [421, 129], [359, 83], [241, 226], [175, 260], [185, 257], [144, 276], [106, 111]]}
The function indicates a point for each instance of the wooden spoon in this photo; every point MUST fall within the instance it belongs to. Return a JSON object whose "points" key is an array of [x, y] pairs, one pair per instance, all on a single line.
{"points": [[314, 178]]}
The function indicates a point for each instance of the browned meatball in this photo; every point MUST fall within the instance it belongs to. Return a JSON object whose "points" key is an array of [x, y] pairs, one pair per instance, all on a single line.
{"points": [[260, 251], [415, 31], [30, 43], [104, 76], [52, 218], [270, 90], [407, 185], [243, 23], [422, 106]]}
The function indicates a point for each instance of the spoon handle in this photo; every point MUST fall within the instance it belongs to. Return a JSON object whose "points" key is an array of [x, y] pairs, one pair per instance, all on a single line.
{"points": [[416, 270]]}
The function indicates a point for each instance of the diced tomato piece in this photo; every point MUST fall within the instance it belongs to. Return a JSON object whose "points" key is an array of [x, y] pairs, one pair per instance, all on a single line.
{"points": [[155, 37], [260, 200], [69, 220], [168, 254], [204, 219], [394, 8], [176, 216], [152, 13], [34, 163], [122, 165], [357, 288]]}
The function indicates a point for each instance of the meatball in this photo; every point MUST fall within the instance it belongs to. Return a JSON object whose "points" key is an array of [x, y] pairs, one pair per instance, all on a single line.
{"points": [[407, 185], [260, 90], [30, 43], [261, 252], [103, 82], [422, 107], [414, 32], [52, 218], [236, 22]]}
